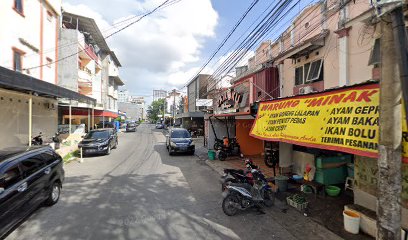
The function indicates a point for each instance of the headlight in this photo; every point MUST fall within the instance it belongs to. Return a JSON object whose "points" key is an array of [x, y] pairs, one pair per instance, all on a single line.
{"points": [[104, 143], [173, 144], [192, 143]]}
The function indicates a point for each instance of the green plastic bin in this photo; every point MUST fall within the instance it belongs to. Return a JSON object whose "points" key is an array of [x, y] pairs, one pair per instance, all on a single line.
{"points": [[330, 176], [321, 162], [211, 154]]}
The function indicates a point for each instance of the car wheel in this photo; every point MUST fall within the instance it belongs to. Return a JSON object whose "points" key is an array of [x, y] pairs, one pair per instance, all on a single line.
{"points": [[54, 194], [192, 152], [108, 151], [170, 151]]}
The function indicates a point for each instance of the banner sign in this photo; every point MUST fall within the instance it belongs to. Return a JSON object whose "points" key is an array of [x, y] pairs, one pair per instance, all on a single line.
{"points": [[204, 102], [341, 120]]}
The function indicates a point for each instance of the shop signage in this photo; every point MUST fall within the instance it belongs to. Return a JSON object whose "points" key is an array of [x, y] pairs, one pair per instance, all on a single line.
{"points": [[229, 99], [204, 102], [343, 120]]}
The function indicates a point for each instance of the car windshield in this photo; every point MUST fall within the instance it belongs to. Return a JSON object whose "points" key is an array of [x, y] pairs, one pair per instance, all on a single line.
{"points": [[131, 125], [97, 135], [180, 134]]}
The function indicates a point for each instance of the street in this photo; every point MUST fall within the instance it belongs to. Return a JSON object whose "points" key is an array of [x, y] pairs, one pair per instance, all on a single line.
{"points": [[140, 192]]}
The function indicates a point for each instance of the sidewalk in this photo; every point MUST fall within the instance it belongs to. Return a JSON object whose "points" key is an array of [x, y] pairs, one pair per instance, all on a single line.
{"points": [[300, 226]]}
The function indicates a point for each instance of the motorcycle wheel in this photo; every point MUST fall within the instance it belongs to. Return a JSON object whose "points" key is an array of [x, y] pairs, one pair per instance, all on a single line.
{"points": [[269, 198], [228, 205], [217, 146], [226, 182], [222, 156], [268, 162]]}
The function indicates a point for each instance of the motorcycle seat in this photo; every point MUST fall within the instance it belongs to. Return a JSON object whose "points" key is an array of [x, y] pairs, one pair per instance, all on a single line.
{"points": [[243, 185]]}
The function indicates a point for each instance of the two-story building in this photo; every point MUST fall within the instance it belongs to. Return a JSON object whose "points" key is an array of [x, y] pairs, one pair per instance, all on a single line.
{"points": [[329, 51], [193, 118], [29, 90]]}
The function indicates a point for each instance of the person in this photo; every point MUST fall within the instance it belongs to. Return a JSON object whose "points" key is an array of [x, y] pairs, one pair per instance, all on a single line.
{"points": [[225, 141]]}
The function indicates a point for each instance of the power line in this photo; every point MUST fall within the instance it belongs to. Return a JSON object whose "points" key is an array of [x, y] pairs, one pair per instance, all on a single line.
{"points": [[110, 35], [227, 37]]}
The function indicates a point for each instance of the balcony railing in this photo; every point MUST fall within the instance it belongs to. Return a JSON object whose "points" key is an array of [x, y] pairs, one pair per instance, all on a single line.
{"points": [[91, 53]]}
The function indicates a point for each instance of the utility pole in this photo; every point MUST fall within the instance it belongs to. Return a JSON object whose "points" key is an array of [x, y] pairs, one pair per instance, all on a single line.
{"points": [[174, 106], [389, 161]]}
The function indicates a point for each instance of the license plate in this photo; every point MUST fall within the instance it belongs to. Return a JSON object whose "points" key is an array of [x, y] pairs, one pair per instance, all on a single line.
{"points": [[183, 148], [90, 150]]}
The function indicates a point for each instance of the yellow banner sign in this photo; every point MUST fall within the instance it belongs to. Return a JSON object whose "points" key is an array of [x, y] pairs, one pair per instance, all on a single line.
{"points": [[342, 120]]}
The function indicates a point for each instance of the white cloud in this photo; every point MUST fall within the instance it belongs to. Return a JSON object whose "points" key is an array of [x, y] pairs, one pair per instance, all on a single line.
{"points": [[157, 51]]}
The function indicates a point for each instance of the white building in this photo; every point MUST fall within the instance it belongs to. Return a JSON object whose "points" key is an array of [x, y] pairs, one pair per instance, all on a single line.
{"points": [[29, 39], [90, 68], [29, 47], [123, 96]]}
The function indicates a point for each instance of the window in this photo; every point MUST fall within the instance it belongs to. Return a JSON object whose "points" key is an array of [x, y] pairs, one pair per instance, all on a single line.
{"points": [[31, 165], [299, 75], [17, 59], [10, 177], [18, 6], [312, 71], [315, 71], [306, 68]]}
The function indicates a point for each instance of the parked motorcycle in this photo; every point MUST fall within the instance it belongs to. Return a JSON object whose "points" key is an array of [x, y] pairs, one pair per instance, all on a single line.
{"points": [[218, 144], [241, 196], [238, 175], [37, 140]]}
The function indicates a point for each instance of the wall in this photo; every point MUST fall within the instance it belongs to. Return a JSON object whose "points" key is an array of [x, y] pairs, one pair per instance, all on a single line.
{"points": [[366, 176], [13, 27], [249, 145], [220, 129], [192, 95], [68, 68], [14, 118]]}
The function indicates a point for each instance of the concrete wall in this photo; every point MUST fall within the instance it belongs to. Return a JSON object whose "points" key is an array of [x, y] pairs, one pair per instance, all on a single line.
{"points": [[220, 129], [133, 111], [68, 68], [14, 118]]}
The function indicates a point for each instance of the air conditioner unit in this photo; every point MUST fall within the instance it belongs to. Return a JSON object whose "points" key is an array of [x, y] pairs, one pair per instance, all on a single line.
{"points": [[306, 90]]}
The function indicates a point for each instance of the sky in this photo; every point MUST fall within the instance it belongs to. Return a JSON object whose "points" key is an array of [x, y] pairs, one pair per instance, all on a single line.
{"points": [[165, 50]]}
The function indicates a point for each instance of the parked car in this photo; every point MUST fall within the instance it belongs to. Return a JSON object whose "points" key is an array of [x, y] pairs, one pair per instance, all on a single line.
{"points": [[159, 125], [29, 177], [99, 141], [179, 140], [131, 127]]}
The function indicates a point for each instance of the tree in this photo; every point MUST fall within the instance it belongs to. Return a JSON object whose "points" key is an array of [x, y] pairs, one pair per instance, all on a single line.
{"points": [[155, 109]]}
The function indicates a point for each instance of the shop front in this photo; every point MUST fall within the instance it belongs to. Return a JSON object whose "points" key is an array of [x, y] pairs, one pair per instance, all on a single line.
{"points": [[232, 118], [331, 138]]}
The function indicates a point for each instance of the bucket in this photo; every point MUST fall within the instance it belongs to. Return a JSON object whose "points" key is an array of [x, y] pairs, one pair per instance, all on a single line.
{"points": [[351, 221], [211, 155], [282, 183]]}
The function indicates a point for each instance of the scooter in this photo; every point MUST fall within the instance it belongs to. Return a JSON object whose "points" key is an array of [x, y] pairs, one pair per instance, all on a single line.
{"points": [[37, 140], [241, 196], [238, 175]]}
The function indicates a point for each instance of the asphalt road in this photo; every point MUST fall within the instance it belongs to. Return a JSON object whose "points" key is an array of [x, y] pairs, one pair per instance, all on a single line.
{"points": [[140, 192]]}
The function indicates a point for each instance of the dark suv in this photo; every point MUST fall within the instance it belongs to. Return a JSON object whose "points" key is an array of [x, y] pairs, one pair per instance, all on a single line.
{"points": [[29, 177]]}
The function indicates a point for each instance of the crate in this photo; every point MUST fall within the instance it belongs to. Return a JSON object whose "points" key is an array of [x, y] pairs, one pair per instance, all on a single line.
{"points": [[300, 207], [331, 176], [328, 162]]}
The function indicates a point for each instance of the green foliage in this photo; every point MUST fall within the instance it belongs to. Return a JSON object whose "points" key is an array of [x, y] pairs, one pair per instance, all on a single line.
{"points": [[156, 108]]}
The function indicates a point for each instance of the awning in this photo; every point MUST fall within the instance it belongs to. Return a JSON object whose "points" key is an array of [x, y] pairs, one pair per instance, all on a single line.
{"points": [[16, 81], [117, 80], [190, 114], [84, 112], [304, 48], [345, 119]]}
